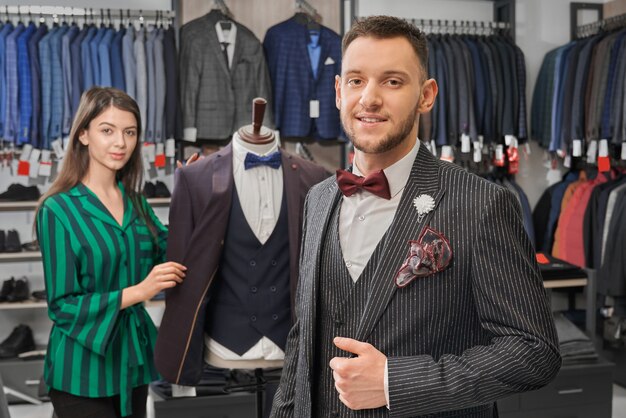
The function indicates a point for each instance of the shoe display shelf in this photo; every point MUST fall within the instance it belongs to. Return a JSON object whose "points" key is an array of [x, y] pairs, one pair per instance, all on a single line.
{"points": [[29, 256]]}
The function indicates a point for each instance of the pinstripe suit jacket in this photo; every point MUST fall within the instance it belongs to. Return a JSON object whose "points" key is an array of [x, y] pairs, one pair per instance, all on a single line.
{"points": [[478, 331]]}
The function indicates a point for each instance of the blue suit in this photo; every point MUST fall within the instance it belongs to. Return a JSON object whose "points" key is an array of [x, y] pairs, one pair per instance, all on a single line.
{"points": [[95, 58], [294, 84], [104, 55], [25, 85], [45, 60], [77, 69], [117, 65], [56, 96], [35, 74], [85, 54], [4, 33]]}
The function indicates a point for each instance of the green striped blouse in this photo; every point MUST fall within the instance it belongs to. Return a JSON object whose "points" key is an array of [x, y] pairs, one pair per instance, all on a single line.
{"points": [[95, 349]]}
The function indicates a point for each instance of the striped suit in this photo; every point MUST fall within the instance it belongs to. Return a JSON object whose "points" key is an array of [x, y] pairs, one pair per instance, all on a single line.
{"points": [[455, 341]]}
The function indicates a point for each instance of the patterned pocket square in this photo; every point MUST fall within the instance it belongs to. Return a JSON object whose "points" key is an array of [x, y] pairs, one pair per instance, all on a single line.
{"points": [[430, 254]]}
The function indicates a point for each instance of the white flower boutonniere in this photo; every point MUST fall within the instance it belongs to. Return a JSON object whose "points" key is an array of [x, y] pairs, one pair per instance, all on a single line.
{"points": [[423, 203]]}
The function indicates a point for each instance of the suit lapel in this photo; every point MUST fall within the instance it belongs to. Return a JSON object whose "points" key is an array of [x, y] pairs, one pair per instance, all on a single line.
{"points": [[215, 214], [424, 179], [214, 44]]}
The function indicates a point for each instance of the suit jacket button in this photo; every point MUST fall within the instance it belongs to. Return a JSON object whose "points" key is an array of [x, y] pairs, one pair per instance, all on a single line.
{"points": [[253, 318], [252, 263], [253, 289], [273, 288], [275, 317]]}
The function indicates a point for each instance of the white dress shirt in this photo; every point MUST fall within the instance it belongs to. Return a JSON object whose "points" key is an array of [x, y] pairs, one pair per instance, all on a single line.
{"points": [[227, 35], [260, 192], [364, 218]]}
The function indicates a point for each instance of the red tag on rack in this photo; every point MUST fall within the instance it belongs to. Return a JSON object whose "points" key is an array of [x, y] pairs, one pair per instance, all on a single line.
{"points": [[159, 160], [604, 164], [23, 168]]}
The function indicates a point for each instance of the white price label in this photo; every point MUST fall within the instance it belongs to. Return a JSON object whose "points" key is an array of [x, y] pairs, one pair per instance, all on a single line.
{"points": [[170, 148], [314, 108], [592, 150], [623, 150], [26, 149], [57, 147], [465, 143], [577, 148], [603, 150]]}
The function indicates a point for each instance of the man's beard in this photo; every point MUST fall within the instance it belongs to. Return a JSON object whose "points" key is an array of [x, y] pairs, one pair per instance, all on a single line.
{"points": [[392, 140]]}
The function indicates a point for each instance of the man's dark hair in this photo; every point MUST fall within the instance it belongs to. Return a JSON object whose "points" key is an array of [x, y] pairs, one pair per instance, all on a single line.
{"points": [[385, 27]]}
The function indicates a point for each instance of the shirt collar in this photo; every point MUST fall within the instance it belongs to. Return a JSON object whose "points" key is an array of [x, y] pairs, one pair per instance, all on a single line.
{"points": [[241, 148], [226, 36], [398, 173]]}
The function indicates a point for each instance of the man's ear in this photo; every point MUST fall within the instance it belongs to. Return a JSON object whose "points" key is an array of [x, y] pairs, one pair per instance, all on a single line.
{"points": [[428, 95], [338, 92]]}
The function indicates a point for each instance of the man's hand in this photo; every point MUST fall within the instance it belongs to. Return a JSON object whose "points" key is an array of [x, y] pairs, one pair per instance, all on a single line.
{"points": [[359, 380]]}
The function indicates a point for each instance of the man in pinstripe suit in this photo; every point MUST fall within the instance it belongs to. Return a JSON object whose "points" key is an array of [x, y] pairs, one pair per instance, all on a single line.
{"points": [[448, 342]]}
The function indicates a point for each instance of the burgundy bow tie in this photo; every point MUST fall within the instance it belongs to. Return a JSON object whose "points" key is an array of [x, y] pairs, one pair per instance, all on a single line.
{"points": [[376, 183]]}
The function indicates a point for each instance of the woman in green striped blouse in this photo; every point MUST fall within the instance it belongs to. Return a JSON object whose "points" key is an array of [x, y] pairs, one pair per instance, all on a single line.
{"points": [[103, 251]]}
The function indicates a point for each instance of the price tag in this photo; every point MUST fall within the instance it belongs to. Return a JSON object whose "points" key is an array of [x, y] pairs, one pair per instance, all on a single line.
{"points": [[478, 155], [592, 151], [23, 168], [623, 150], [45, 168], [57, 147], [508, 139], [159, 158], [498, 159], [567, 161], [314, 108], [465, 143], [604, 164], [603, 150], [433, 147], [446, 153], [33, 171], [577, 148], [26, 149], [170, 148], [149, 152]]}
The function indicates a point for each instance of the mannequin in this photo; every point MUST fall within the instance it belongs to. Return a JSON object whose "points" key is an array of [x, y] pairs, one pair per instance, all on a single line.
{"points": [[235, 218]]}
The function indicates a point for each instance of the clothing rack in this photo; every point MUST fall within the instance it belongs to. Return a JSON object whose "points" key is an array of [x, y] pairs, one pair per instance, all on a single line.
{"points": [[305, 6], [88, 14], [221, 6], [461, 27], [604, 25]]}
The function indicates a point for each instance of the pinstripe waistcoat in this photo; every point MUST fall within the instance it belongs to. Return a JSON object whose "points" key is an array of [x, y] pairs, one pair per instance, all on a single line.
{"points": [[455, 341]]}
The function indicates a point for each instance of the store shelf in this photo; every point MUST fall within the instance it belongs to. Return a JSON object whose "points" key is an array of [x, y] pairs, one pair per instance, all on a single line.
{"points": [[27, 304], [30, 205], [20, 257]]}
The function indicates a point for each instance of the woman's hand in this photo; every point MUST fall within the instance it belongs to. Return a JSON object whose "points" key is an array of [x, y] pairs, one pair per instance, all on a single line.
{"points": [[163, 276]]}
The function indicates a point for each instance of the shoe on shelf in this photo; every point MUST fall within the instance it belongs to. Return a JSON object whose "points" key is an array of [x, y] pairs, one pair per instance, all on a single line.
{"points": [[7, 288], [20, 292], [39, 295], [3, 238], [31, 246], [19, 341], [148, 189], [20, 193], [12, 243], [161, 190]]}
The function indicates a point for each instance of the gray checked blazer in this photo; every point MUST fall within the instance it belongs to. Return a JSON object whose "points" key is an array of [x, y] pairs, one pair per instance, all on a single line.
{"points": [[478, 331], [217, 100]]}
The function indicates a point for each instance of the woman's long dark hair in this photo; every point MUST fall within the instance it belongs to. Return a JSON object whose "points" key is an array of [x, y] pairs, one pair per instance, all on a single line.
{"points": [[76, 160]]}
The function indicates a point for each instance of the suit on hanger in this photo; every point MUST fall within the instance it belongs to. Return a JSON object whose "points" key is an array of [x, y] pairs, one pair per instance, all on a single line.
{"points": [[199, 214], [35, 73], [294, 85], [216, 100], [457, 340]]}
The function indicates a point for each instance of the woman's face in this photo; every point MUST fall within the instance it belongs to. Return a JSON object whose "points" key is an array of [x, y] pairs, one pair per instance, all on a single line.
{"points": [[110, 139]]}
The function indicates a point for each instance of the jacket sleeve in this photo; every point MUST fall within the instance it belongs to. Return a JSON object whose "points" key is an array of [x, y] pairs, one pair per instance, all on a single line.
{"points": [[88, 318], [513, 308]]}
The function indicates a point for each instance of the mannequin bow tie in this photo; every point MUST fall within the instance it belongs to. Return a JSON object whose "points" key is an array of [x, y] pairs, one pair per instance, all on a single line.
{"points": [[376, 183], [252, 160]]}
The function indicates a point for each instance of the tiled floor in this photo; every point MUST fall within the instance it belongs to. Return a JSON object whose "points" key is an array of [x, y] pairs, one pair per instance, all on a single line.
{"points": [[45, 410]]}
